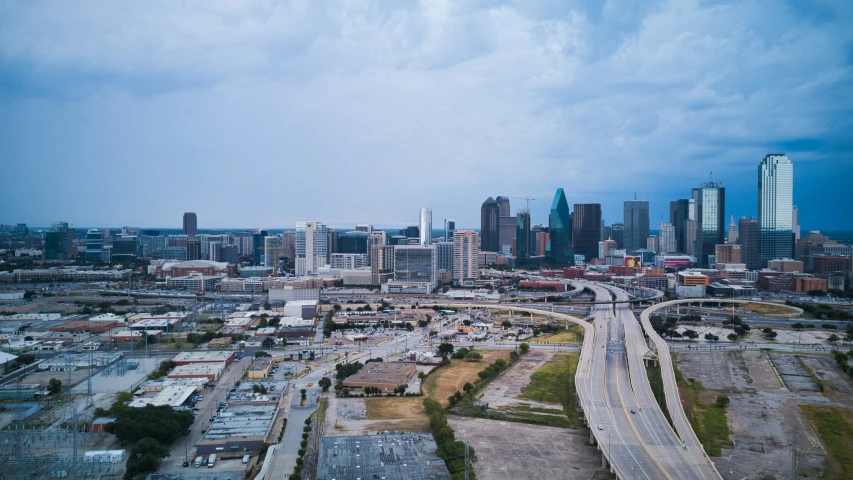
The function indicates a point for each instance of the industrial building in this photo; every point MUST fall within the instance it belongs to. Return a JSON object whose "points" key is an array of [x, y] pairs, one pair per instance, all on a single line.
{"points": [[300, 308], [385, 376], [408, 456], [238, 429], [173, 396], [159, 384], [211, 371], [186, 358], [260, 368]]}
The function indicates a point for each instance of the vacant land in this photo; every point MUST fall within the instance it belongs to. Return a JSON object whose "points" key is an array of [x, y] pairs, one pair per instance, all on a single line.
{"points": [[511, 450], [555, 383], [834, 425], [574, 334], [706, 417], [394, 408], [446, 381], [766, 309]]}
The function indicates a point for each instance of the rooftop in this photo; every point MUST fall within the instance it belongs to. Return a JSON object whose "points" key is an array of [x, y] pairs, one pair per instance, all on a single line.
{"points": [[209, 356], [392, 457]]}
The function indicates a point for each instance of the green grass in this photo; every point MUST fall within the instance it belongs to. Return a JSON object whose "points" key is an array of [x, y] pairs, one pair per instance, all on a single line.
{"points": [[555, 383], [833, 426], [529, 417], [820, 385], [707, 419], [656, 382]]}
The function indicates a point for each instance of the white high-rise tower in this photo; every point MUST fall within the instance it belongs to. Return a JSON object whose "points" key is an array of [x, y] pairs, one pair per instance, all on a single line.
{"points": [[425, 226], [775, 209], [311, 247]]}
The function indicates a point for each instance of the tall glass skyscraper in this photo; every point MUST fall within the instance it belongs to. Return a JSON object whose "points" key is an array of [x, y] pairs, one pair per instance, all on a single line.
{"points": [[775, 209], [489, 222], [710, 201], [636, 225], [522, 237], [311, 247], [425, 226], [586, 229], [449, 229], [559, 249]]}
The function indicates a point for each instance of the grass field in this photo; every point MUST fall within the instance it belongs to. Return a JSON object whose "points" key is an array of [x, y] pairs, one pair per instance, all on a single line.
{"points": [[707, 419], [834, 425], [448, 380], [656, 382], [555, 383], [574, 334], [394, 408], [767, 309]]}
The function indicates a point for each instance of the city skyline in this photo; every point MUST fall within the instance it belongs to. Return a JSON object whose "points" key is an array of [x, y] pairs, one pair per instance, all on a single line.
{"points": [[94, 127]]}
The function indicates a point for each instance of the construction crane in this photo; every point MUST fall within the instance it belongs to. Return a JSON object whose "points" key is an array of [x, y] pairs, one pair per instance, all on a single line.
{"points": [[527, 199]]}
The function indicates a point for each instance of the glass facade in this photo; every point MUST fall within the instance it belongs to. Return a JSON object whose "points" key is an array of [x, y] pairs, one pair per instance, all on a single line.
{"points": [[586, 229], [636, 225], [449, 229], [352, 242], [425, 226], [559, 249], [775, 209], [414, 263], [679, 212], [522, 237], [710, 201], [489, 225]]}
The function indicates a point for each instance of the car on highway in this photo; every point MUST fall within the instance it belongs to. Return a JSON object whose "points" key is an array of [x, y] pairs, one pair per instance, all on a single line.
{"points": [[601, 427], [632, 411]]}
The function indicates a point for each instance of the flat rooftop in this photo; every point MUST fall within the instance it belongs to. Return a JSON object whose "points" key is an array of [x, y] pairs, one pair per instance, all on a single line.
{"points": [[161, 383], [242, 421], [214, 356], [173, 396], [382, 373], [409, 456], [206, 368]]}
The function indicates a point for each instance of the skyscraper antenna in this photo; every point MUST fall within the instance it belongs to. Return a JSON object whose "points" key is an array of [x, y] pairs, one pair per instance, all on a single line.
{"points": [[635, 195]]}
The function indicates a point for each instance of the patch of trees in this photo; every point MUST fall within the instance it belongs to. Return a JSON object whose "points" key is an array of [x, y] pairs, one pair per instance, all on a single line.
{"points": [[161, 423], [162, 370], [54, 386], [466, 354], [345, 370], [145, 457], [822, 311], [450, 450], [841, 360]]}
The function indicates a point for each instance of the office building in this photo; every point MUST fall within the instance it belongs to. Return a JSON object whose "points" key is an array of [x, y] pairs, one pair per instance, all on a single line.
{"points": [[617, 234], [214, 251], [381, 264], [348, 260], [271, 247], [230, 254], [775, 209], [415, 264], [522, 237], [444, 259], [503, 206], [731, 237], [666, 238], [653, 244], [636, 224], [194, 249], [489, 225], [728, 253], [506, 235], [466, 249], [796, 223], [679, 213], [125, 248], [748, 233], [690, 232], [288, 245], [352, 242], [258, 246], [412, 231], [425, 226], [311, 247], [586, 229], [190, 224], [710, 202], [332, 238], [606, 247], [559, 248], [449, 229], [94, 244], [364, 227]]}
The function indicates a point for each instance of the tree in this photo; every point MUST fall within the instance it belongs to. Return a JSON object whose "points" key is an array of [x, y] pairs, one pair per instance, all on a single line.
{"points": [[711, 337], [261, 353], [445, 348], [145, 457], [506, 324], [690, 334], [54, 386], [268, 342], [421, 376], [798, 326], [162, 423], [722, 401], [29, 294], [467, 387], [473, 356], [769, 333], [732, 337], [832, 338], [524, 347], [325, 383]]}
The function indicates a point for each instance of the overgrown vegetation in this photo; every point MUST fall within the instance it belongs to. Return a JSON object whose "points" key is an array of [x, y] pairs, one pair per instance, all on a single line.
{"points": [[554, 382], [450, 450], [162, 370], [821, 311], [833, 425], [707, 419]]}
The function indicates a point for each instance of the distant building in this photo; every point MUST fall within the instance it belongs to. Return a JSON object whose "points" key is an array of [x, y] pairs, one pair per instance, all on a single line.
{"points": [[559, 248], [679, 213], [444, 260], [506, 235], [425, 226], [666, 238], [731, 237], [415, 264], [728, 253], [190, 224], [775, 208], [489, 225], [271, 247], [636, 224], [449, 229], [311, 247], [617, 231], [748, 232], [522, 237], [786, 265], [710, 201], [586, 229], [194, 249], [94, 244], [381, 264], [348, 260], [466, 249]]}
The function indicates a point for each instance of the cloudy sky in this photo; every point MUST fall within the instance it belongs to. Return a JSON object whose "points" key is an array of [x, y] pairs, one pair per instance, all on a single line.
{"points": [[258, 114]]}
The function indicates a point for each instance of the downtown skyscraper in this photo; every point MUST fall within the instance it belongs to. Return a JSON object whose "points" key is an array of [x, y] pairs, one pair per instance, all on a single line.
{"points": [[489, 225], [775, 209], [425, 226], [586, 229], [710, 201], [636, 225], [311, 247], [559, 248], [190, 224]]}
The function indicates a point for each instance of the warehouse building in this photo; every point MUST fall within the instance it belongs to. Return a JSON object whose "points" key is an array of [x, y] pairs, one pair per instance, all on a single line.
{"points": [[238, 429], [260, 368], [386, 376], [208, 370], [186, 358], [173, 396]]}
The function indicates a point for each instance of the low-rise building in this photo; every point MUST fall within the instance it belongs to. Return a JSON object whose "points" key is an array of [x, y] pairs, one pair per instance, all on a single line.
{"points": [[211, 371], [260, 368], [238, 429], [173, 396], [386, 376], [300, 308], [187, 358]]}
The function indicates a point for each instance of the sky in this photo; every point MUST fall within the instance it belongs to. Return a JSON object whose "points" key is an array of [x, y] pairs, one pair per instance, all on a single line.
{"points": [[257, 114]]}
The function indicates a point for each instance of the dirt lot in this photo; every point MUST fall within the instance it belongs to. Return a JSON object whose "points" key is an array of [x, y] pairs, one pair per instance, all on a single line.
{"points": [[394, 408], [361, 416], [446, 381], [764, 418], [572, 335], [502, 392], [508, 450]]}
